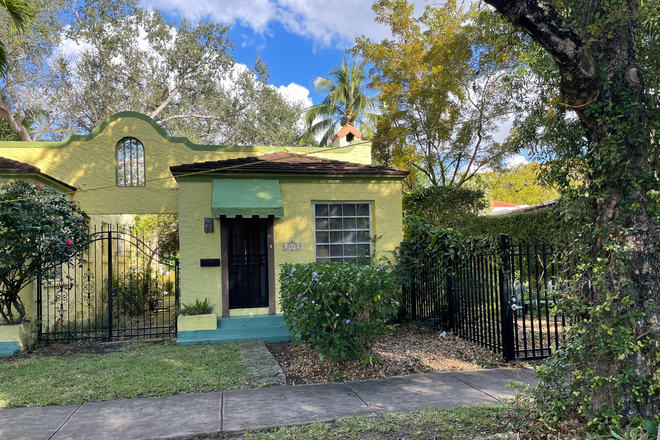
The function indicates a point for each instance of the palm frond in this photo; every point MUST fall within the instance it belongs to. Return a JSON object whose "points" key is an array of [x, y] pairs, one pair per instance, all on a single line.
{"points": [[20, 12], [345, 99], [323, 111]]}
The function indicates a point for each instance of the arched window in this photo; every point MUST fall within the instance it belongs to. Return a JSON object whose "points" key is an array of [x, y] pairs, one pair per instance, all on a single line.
{"points": [[130, 163]]}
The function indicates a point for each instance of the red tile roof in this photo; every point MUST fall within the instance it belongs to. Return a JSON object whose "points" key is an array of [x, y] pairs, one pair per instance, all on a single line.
{"points": [[498, 204], [286, 163], [9, 166], [348, 128]]}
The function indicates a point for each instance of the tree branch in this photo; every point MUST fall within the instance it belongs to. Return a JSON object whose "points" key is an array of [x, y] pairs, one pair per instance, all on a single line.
{"points": [[169, 99], [191, 115], [542, 22]]}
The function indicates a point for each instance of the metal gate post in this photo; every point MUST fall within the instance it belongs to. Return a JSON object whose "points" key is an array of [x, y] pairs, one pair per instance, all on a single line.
{"points": [[110, 292], [450, 299], [177, 293], [40, 330], [413, 292], [505, 297]]}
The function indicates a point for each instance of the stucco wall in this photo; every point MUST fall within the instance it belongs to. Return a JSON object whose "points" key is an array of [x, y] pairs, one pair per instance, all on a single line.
{"points": [[198, 282], [88, 162], [298, 197]]}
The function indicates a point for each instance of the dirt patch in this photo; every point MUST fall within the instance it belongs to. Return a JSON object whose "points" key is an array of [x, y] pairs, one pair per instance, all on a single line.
{"points": [[410, 349]]}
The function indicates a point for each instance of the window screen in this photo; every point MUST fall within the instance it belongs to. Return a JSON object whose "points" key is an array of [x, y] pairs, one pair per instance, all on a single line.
{"points": [[342, 231]]}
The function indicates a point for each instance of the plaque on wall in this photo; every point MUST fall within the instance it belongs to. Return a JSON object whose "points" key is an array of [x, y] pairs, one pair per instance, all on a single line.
{"points": [[292, 246]]}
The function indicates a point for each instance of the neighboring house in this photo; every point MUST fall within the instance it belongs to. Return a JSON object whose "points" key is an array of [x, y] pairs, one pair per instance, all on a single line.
{"points": [[501, 208], [498, 207], [242, 211]]}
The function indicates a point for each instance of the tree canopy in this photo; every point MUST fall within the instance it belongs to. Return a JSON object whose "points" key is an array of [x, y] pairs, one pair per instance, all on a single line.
{"points": [[121, 56], [519, 184], [595, 114], [442, 79]]}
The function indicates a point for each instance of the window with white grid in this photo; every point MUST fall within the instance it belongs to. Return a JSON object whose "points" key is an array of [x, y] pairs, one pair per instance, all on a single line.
{"points": [[342, 231]]}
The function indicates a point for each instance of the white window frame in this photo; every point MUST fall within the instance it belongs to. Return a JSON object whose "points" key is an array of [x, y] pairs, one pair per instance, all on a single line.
{"points": [[57, 281], [341, 202]]}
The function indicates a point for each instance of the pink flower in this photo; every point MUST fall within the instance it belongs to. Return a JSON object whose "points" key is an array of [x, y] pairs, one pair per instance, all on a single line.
{"points": [[69, 242], [41, 185]]}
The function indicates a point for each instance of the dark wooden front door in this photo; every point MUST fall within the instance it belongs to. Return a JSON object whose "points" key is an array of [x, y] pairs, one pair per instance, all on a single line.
{"points": [[247, 255]]}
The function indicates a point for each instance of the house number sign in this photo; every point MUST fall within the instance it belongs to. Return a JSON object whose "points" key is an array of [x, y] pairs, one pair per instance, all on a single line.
{"points": [[292, 246]]}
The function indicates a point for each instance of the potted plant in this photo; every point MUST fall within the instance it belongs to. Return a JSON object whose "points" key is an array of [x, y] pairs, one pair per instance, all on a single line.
{"points": [[198, 316]]}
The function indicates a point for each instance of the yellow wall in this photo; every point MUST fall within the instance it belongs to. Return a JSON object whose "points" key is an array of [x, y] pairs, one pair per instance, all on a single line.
{"points": [[198, 282], [297, 225], [88, 163]]}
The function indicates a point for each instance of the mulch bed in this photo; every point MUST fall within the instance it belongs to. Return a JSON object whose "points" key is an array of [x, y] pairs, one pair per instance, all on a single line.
{"points": [[410, 349]]}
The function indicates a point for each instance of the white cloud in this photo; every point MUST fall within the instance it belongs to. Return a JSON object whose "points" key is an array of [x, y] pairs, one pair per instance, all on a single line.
{"points": [[504, 130], [327, 22], [296, 93], [72, 50], [515, 160]]}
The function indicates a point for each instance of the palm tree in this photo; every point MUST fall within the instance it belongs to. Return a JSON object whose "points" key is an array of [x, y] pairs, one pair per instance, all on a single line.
{"points": [[345, 102], [20, 14]]}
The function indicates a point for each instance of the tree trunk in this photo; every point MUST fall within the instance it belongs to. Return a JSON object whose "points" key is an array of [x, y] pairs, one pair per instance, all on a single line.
{"points": [[617, 192]]}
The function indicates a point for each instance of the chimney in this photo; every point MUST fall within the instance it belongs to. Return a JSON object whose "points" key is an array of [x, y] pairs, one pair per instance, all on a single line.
{"points": [[346, 135]]}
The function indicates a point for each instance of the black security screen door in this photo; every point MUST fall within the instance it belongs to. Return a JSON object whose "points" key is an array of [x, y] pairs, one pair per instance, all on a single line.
{"points": [[248, 262]]}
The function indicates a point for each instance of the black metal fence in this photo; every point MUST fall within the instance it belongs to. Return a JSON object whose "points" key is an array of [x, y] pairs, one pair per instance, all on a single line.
{"points": [[502, 300], [121, 289]]}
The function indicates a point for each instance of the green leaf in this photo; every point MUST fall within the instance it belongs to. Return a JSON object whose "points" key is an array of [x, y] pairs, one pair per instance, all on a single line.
{"points": [[650, 427]]}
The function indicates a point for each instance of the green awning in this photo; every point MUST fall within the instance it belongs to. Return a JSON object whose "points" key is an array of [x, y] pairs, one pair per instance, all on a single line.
{"points": [[246, 197]]}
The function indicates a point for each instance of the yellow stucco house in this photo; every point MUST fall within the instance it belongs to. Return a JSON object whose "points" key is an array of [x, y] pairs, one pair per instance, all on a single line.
{"points": [[242, 211]]}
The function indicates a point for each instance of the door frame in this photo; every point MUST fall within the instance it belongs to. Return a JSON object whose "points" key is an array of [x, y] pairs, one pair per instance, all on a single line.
{"points": [[270, 265]]}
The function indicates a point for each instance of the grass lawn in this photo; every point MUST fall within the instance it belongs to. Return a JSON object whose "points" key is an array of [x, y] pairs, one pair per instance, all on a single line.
{"points": [[430, 423], [120, 371]]}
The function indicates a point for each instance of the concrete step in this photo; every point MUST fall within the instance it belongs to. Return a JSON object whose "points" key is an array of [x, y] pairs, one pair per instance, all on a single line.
{"points": [[268, 328], [250, 321], [217, 337]]}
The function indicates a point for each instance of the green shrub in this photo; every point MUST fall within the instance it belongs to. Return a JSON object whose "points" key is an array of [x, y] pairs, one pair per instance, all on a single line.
{"points": [[168, 286], [546, 223], [199, 308], [135, 292], [338, 308], [444, 206]]}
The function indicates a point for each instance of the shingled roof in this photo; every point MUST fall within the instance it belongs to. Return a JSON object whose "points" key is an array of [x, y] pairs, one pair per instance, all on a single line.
{"points": [[287, 163], [9, 166]]}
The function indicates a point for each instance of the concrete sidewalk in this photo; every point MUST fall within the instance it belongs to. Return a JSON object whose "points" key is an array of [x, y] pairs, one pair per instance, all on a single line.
{"points": [[188, 415]]}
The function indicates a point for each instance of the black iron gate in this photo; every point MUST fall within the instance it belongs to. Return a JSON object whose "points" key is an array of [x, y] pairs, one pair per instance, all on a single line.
{"points": [[120, 289], [503, 300]]}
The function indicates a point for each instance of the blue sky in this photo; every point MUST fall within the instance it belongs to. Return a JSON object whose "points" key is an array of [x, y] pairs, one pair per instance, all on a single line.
{"points": [[298, 39]]}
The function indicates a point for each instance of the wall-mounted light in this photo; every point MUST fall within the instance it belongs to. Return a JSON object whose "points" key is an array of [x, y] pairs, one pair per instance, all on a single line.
{"points": [[208, 225]]}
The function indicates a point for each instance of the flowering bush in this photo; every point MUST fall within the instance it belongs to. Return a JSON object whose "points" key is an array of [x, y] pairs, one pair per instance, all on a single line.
{"points": [[338, 308], [39, 228]]}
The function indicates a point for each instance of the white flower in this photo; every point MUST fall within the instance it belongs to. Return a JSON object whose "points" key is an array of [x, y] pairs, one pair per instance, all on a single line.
{"points": [[337, 314]]}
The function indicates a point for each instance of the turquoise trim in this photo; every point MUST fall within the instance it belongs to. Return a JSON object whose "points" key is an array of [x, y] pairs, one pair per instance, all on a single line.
{"points": [[9, 348], [268, 328], [177, 140]]}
